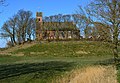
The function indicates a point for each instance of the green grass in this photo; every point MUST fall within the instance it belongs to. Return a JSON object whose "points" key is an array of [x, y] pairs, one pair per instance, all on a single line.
{"points": [[118, 72], [33, 72], [68, 49], [36, 69], [43, 62]]}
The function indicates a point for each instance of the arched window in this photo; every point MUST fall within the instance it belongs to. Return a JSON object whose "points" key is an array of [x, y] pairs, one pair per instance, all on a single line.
{"points": [[39, 19]]}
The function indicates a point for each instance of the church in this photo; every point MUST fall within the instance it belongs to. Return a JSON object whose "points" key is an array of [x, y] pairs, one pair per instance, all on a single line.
{"points": [[55, 30]]}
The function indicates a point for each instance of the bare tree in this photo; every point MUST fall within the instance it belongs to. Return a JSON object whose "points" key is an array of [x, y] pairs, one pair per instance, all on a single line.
{"points": [[30, 30], [7, 32], [82, 19], [103, 32], [67, 18], [19, 28], [24, 19], [108, 12]]}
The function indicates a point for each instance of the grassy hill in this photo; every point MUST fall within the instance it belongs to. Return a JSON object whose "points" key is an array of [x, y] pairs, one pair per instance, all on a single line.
{"points": [[46, 62], [68, 49]]}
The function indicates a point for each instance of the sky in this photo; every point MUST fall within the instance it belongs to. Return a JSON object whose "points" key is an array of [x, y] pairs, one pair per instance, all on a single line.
{"points": [[48, 7]]}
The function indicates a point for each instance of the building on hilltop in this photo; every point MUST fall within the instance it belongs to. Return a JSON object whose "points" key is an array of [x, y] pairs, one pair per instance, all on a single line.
{"points": [[55, 30]]}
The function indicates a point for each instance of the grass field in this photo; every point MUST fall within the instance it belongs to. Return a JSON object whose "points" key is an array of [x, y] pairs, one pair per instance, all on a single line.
{"points": [[68, 49], [46, 62]]}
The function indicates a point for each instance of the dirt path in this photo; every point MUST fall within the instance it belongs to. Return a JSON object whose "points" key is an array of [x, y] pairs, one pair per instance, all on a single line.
{"points": [[99, 74]]}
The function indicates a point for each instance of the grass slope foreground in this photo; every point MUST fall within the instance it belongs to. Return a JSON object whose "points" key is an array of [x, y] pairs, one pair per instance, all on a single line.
{"points": [[59, 62]]}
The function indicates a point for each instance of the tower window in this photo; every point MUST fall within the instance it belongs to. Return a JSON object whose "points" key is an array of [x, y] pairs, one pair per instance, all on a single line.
{"points": [[39, 19]]}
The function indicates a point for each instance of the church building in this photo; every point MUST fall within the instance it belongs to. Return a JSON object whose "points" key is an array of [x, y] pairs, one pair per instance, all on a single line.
{"points": [[55, 30]]}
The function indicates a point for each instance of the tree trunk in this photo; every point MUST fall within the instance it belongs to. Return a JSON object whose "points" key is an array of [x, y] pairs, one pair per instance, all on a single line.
{"points": [[115, 44], [30, 37], [12, 43], [14, 36], [18, 37]]}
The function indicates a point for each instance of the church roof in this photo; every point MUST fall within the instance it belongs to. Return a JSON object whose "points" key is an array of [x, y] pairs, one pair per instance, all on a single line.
{"points": [[59, 26]]}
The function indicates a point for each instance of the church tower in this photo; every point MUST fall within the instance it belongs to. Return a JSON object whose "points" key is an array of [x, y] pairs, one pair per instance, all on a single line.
{"points": [[39, 17], [38, 26]]}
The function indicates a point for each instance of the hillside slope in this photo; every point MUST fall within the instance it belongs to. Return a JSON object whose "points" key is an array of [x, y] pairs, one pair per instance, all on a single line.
{"points": [[50, 62]]}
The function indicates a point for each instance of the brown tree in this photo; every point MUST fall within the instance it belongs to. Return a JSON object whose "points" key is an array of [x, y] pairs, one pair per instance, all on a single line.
{"points": [[108, 12], [19, 28], [24, 24], [9, 30], [83, 20]]}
